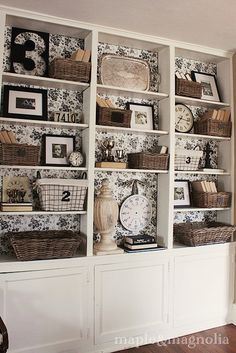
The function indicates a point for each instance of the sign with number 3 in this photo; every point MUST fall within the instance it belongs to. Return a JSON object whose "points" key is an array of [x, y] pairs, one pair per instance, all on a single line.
{"points": [[29, 52]]}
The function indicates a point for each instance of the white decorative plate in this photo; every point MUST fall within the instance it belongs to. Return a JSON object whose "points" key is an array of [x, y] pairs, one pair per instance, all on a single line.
{"points": [[125, 72]]}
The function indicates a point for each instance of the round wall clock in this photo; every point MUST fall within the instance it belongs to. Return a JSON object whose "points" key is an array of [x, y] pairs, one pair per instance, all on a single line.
{"points": [[183, 118], [135, 213]]}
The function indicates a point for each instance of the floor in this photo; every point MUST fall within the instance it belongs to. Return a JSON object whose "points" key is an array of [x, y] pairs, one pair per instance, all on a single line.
{"points": [[218, 340]]}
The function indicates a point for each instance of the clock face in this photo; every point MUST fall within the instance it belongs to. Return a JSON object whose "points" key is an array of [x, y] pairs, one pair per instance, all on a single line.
{"points": [[183, 118], [135, 213], [76, 159]]}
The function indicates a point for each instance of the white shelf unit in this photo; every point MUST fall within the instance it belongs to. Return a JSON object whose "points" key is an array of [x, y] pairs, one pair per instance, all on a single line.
{"points": [[166, 98], [225, 144], [88, 93]]}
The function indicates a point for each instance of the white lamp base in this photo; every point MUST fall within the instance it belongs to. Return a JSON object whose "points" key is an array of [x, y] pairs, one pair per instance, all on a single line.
{"points": [[108, 252]]}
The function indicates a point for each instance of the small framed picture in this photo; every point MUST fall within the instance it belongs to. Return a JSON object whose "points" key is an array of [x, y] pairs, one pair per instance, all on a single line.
{"points": [[57, 148], [209, 85], [181, 193], [25, 103], [142, 116]]}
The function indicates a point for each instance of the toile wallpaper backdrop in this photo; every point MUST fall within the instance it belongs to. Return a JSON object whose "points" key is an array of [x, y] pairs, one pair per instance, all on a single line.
{"points": [[59, 99]]}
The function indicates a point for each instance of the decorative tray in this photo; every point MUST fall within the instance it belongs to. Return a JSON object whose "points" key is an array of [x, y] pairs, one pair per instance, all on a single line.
{"points": [[124, 72]]}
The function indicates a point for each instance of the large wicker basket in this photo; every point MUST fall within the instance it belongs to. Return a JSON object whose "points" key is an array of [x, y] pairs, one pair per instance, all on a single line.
{"points": [[213, 127], [18, 154], [188, 88], [113, 117], [202, 233], [147, 160], [38, 245], [187, 159], [62, 194], [211, 199], [71, 70]]}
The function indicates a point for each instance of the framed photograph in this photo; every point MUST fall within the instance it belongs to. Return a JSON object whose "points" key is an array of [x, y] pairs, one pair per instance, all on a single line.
{"points": [[142, 116], [181, 193], [25, 103], [209, 85], [57, 148]]}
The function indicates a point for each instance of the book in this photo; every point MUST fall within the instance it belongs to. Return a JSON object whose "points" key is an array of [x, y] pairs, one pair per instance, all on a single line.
{"points": [[140, 246], [213, 170], [115, 165], [162, 149], [86, 56], [143, 250], [78, 55], [140, 239], [16, 207]]}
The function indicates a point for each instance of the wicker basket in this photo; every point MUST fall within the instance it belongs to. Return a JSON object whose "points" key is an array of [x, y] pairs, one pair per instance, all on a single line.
{"points": [[71, 70], [38, 245], [201, 233], [213, 127], [187, 159], [147, 160], [62, 194], [188, 88], [113, 117], [17, 154], [211, 199]]}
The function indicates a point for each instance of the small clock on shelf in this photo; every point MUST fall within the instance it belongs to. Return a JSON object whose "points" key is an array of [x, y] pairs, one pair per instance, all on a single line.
{"points": [[183, 118], [76, 159], [135, 211]]}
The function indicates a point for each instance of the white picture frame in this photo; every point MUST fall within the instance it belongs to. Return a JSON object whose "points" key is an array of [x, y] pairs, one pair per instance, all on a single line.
{"points": [[141, 117], [181, 193]]}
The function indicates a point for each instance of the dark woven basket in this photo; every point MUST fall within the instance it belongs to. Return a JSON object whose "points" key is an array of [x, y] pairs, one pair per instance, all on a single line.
{"points": [[211, 199], [17, 154], [201, 233], [113, 117], [71, 70], [188, 88], [41, 245], [213, 127], [147, 160]]}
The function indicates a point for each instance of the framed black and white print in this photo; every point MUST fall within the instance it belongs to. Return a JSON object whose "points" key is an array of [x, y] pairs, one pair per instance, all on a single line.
{"points": [[142, 116], [29, 52], [25, 103], [181, 193], [209, 85], [57, 148]]}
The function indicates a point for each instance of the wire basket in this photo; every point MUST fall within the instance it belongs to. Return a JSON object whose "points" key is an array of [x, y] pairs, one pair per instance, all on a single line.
{"points": [[71, 70], [187, 159], [213, 127], [188, 88], [211, 199], [62, 194], [148, 160], [203, 233], [19, 154], [41, 245]]}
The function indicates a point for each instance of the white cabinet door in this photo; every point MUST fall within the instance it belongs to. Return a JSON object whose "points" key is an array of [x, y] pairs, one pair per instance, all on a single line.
{"points": [[130, 300], [45, 311], [202, 289]]}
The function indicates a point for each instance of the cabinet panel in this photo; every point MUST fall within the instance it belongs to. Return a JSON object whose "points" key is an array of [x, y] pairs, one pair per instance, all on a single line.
{"points": [[130, 299], [50, 305], [202, 289]]}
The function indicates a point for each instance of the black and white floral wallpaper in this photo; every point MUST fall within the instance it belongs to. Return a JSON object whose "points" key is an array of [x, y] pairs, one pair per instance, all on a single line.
{"points": [[69, 100]]}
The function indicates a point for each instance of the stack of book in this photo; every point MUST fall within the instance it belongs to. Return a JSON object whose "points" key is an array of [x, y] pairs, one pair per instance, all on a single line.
{"points": [[138, 243], [16, 207], [204, 186], [214, 114]]}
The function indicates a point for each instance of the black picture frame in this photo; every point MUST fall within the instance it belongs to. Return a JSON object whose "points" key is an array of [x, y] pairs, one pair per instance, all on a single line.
{"points": [[29, 41], [210, 89], [48, 151], [149, 118], [31, 103], [182, 197]]}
